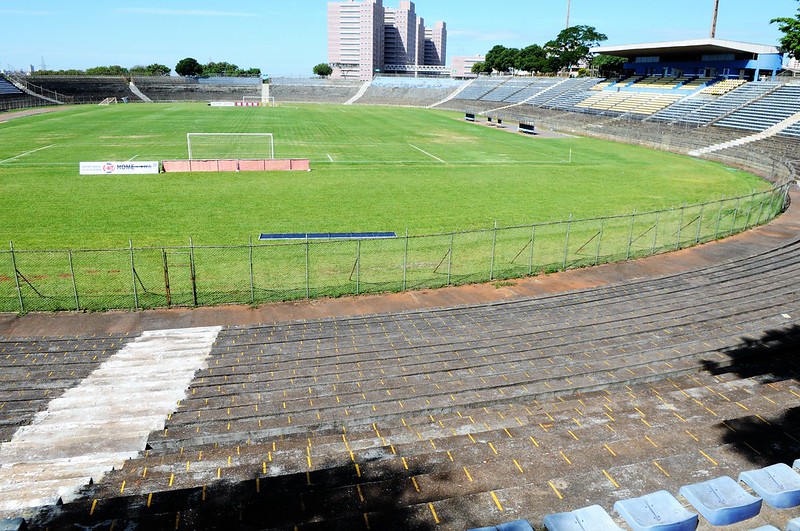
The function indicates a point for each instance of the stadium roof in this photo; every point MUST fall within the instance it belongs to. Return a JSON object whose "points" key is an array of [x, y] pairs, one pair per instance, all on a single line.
{"points": [[703, 46]]}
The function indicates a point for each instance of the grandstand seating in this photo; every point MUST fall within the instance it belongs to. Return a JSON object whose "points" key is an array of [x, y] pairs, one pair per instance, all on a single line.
{"points": [[628, 102], [793, 131], [408, 91], [86, 89], [766, 111], [507, 89], [7, 88], [313, 90], [481, 87], [167, 88], [426, 397], [728, 103], [723, 87], [565, 95], [535, 87]]}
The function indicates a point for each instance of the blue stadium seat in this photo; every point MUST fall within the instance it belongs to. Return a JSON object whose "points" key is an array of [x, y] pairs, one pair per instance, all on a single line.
{"points": [[659, 511], [779, 485], [593, 518], [516, 525], [793, 525], [722, 501], [796, 465]]}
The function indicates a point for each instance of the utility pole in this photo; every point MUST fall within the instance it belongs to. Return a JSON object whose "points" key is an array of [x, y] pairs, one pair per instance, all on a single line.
{"points": [[714, 20]]}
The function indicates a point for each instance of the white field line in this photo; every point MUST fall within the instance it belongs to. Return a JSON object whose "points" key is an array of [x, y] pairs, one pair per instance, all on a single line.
{"points": [[329, 157], [425, 152], [26, 154], [133, 157]]}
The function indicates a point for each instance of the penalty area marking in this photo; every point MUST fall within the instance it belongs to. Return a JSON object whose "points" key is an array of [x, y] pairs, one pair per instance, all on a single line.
{"points": [[26, 154], [426, 153]]}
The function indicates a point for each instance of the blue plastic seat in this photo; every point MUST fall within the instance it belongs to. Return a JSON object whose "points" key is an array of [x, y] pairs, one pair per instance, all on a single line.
{"points": [[516, 525], [593, 518], [722, 501], [779, 485], [793, 525], [659, 511], [766, 528]]}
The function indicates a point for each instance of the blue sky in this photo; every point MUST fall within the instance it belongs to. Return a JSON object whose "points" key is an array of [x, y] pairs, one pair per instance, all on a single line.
{"points": [[288, 37]]}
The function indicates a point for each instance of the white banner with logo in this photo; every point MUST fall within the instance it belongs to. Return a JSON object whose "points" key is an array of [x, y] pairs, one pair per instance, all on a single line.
{"points": [[119, 168]]}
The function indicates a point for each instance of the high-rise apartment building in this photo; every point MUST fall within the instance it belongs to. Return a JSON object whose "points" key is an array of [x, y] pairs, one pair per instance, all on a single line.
{"points": [[365, 38]]}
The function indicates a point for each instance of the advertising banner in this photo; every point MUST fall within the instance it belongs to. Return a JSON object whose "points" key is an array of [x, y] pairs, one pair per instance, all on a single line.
{"points": [[119, 168]]}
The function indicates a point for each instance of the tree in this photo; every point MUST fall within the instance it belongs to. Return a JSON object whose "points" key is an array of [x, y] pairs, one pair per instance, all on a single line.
{"points": [[609, 65], [532, 59], [114, 70], [188, 67], [154, 69], [572, 45], [481, 68], [501, 58], [323, 70], [791, 33], [221, 69]]}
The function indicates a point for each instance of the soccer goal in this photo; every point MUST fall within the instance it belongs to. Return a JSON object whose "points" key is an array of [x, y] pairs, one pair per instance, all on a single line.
{"points": [[109, 101], [230, 146]]}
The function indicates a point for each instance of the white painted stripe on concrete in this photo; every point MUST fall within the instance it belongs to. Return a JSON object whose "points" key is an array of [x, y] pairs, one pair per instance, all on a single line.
{"points": [[103, 421]]}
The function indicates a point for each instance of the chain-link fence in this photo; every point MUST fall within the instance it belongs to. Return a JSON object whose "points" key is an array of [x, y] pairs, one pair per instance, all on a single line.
{"points": [[141, 278]]}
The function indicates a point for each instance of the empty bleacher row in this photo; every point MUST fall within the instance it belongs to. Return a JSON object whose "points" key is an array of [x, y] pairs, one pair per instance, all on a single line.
{"points": [[467, 416], [7, 88], [313, 90], [767, 111], [412, 92], [165, 88], [35, 371]]}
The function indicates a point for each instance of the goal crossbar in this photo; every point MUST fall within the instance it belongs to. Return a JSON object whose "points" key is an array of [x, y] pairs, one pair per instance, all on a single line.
{"points": [[228, 148]]}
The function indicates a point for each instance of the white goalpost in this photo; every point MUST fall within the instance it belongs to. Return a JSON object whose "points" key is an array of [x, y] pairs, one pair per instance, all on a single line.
{"points": [[269, 101], [230, 146]]}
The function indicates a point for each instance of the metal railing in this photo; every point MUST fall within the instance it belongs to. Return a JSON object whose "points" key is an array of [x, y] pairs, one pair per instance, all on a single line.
{"points": [[188, 276]]}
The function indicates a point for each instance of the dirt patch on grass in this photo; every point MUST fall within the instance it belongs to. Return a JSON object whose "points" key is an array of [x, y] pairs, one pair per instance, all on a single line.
{"points": [[8, 116]]}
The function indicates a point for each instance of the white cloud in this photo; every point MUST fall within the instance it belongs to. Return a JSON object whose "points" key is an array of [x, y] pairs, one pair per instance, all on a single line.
{"points": [[184, 12]]}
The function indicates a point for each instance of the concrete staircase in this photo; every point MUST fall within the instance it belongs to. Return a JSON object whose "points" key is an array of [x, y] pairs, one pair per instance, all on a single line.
{"points": [[454, 95], [139, 94], [359, 94]]}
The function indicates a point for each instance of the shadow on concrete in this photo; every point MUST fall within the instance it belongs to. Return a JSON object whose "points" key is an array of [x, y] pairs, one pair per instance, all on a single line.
{"points": [[322, 500], [774, 358]]}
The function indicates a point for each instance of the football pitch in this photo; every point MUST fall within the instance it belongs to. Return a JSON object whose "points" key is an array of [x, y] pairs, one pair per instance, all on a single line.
{"points": [[374, 169]]}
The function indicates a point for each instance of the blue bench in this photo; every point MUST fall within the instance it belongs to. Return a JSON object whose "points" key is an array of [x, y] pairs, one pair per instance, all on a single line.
{"points": [[659, 511], [722, 501], [593, 518], [516, 525], [779, 485]]}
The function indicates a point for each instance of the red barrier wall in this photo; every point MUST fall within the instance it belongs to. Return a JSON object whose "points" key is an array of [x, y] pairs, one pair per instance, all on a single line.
{"points": [[173, 166]]}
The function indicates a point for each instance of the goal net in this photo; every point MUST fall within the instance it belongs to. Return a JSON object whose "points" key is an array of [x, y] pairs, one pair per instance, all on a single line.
{"points": [[230, 146], [108, 101]]}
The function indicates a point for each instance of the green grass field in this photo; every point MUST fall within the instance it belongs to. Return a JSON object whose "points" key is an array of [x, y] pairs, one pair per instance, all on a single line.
{"points": [[374, 169]]}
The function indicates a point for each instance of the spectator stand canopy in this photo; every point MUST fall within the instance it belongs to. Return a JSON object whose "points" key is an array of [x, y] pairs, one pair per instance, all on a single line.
{"points": [[710, 58]]}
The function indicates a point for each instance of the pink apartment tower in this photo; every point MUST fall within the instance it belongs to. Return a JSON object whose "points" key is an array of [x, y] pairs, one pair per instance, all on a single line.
{"points": [[366, 38]]}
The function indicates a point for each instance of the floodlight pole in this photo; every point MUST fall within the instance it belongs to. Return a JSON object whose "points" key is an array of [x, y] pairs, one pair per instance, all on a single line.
{"points": [[714, 19], [569, 6]]}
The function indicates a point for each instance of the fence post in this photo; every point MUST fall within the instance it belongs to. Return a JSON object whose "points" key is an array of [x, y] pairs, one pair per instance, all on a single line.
{"points": [[760, 209], [358, 267], [599, 240], [252, 274], [735, 215], [16, 278], [630, 236], [308, 272], [166, 277], [680, 226], [655, 234], [405, 263], [450, 258], [533, 243], [74, 285], [133, 279], [566, 244], [192, 272], [699, 223], [719, 218], [494, 246]]}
